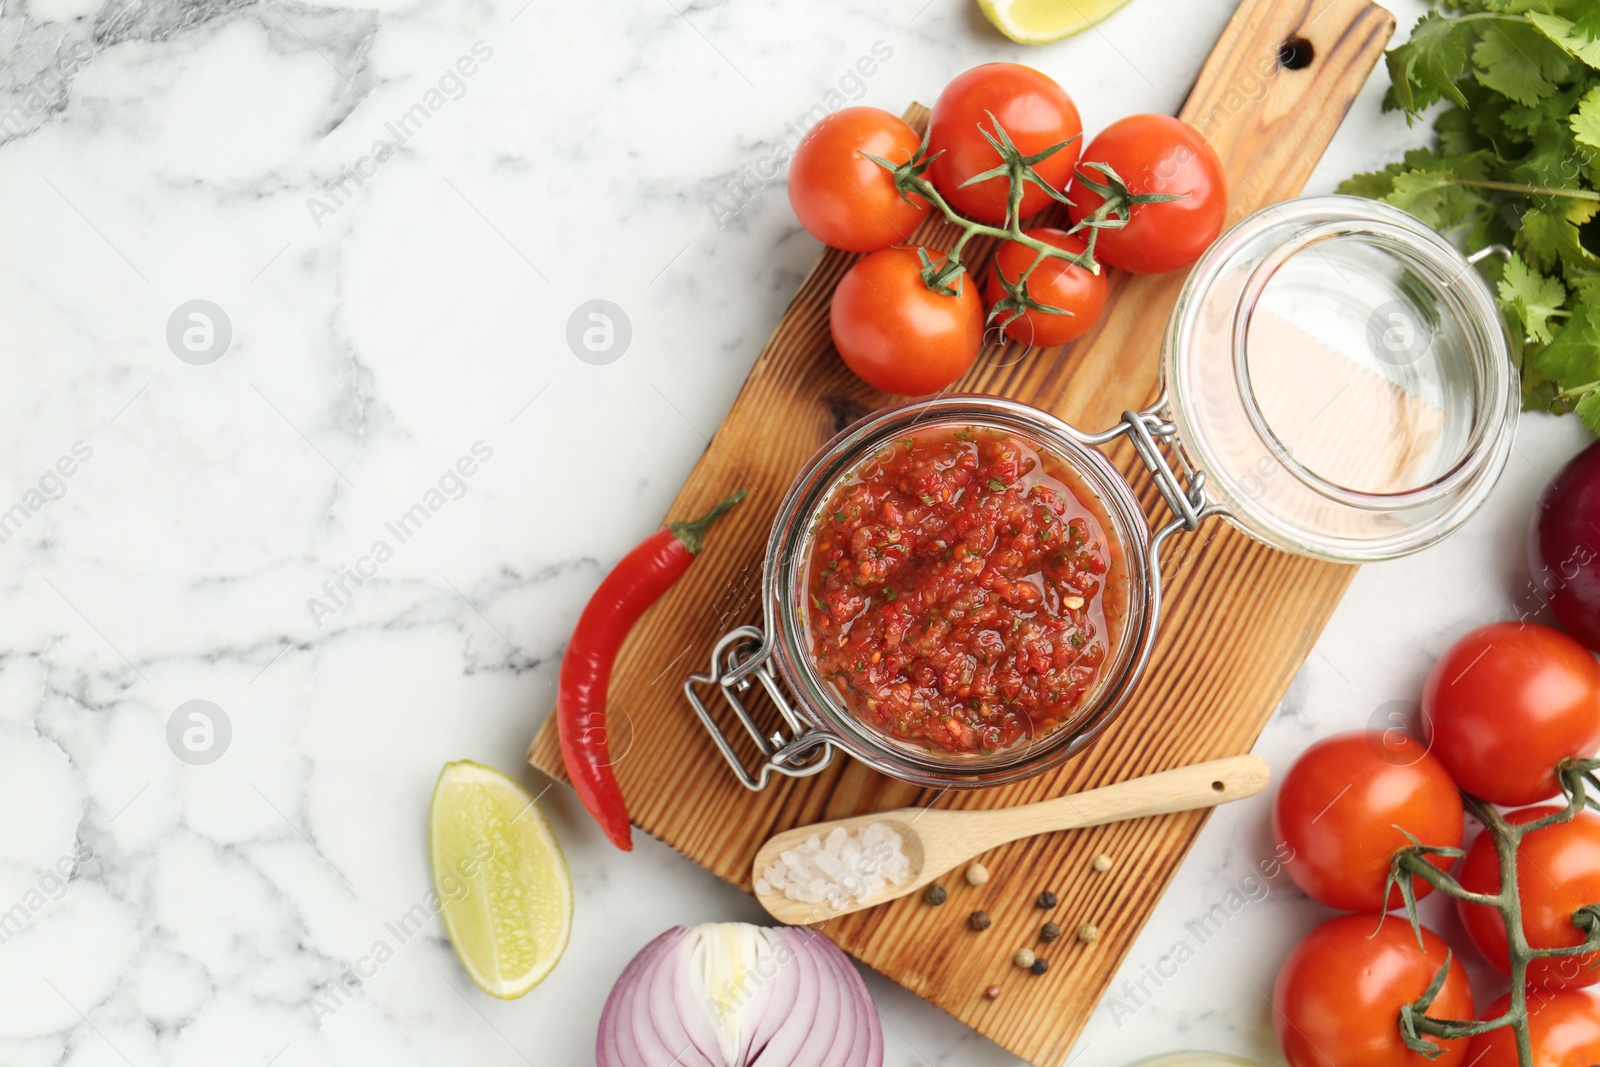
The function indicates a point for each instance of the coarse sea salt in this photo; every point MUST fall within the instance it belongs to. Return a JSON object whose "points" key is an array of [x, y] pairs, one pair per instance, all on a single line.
{"points": [[842, 869]]}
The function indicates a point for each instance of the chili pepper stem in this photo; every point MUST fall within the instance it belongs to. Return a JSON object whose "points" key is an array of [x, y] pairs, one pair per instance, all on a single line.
{"points": [[692, 534]]}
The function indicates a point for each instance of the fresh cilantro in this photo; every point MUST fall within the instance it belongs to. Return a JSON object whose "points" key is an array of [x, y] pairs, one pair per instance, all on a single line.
{"points": [[1586, 120], [1580, 44], [1574, 356], [1530, 298], [1515, 162], [997, 485], [1588, 408], [1426, 68], [1516, 60]]}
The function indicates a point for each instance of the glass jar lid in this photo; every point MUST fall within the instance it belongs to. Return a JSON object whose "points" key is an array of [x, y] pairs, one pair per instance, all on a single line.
{"points": [[1343, 376]]}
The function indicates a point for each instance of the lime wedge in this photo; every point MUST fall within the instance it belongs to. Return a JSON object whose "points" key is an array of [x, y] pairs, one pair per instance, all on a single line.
{"points": [[502, 881], [1043, 21]]}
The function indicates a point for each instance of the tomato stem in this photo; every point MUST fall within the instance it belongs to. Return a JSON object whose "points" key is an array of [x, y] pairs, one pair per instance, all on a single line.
{"points": [[1117, 201], [1577, 777], [1018, 170]]}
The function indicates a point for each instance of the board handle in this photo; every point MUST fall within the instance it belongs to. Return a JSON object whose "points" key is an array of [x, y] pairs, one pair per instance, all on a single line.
{"points": [[1196, 786]]}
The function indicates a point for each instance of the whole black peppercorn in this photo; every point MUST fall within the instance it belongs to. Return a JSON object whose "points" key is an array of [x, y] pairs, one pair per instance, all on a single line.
{"points": [[1040, 966], [1047, 899], [979, 920], [935, 895], [1049, 932]]}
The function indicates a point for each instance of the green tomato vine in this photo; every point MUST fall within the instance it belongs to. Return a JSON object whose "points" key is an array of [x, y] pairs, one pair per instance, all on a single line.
{"points": [[942, 275], [1578, 778]]}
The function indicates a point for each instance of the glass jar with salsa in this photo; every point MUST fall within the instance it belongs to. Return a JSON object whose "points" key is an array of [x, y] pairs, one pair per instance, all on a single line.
{"points": [[959, 594]]}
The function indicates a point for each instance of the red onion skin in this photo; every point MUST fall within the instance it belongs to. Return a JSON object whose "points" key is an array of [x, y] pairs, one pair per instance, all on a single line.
{"points": [[815, 1011], [626, 1015], [863, 1038], [1564, 547], [807, 1039]]}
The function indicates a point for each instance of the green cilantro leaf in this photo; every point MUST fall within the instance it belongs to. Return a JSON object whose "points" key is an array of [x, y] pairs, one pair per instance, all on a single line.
{"points": [[1588, 410], [1530, 298], [1561, 33], [1436, 198], [1587, 19], [1586, 120], [1586, 290], [1519, 62], [1374, 185], [1554, 160], [1457, 134], [1573, 357], [1426, 67], [1549, 235]]}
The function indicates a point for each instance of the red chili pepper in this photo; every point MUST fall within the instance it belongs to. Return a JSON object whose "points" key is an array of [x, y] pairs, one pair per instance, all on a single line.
{"points": [[636, 582]]}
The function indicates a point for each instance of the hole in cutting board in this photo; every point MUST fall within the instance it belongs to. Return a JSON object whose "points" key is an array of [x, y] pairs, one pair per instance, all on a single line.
{"points": [[1296, 53], [1219, 786]]}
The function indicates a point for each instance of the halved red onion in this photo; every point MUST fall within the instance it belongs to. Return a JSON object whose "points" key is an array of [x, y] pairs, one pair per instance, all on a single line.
{"points": [[735, 995]]}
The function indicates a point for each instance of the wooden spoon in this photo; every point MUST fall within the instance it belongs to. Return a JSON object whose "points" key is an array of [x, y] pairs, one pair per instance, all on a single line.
{"points": [[936, 840]]}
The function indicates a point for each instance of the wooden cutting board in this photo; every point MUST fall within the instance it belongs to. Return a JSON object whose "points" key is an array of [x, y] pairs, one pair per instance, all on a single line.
{"points": [[1239, 618]]}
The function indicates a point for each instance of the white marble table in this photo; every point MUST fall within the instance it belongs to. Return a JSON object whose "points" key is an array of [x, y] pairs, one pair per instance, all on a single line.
{"points": [[397, 282]]}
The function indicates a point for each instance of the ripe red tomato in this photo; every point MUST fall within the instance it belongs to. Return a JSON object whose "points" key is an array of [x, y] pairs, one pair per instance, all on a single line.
{"points": [[843, 198], [1339, 995], [1155, 154], [897, 334], [1056, 283], [1507, 703], [1558, 872], [1564, 1025], [1339, 807], [1035, 111]]}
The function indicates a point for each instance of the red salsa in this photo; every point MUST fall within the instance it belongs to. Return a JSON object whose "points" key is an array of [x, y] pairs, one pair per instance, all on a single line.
{"points": [[955, 591]]}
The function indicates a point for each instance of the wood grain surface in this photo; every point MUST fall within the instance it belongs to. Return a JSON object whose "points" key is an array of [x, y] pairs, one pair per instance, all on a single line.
{"points": [[1239, 618]]}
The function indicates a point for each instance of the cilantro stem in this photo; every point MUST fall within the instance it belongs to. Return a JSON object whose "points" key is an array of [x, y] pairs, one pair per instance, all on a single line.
{"points": [[1528, 190]]}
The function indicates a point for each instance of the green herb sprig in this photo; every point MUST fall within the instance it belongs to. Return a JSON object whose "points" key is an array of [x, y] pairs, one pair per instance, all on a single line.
{"points": [[1515, 162]]}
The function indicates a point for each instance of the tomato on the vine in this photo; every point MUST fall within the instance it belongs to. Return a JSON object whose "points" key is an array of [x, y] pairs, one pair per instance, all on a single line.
{"points": [[1558, 872], [843, 198], [1054, 283], [1339, 995], [1033, 110], [1162, 155], [898, 335], [1343, 806], [1506, 704], [1564, 1025]]}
